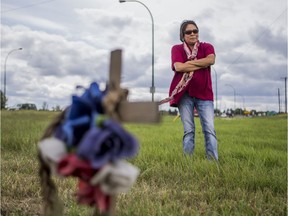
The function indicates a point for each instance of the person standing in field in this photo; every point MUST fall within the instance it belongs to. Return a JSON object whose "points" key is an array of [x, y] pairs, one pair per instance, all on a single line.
{"points": [[191, 87]]}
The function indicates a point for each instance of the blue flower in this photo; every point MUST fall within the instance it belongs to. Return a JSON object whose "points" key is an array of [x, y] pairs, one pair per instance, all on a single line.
{"points": [[107, 144], [81, 115]]}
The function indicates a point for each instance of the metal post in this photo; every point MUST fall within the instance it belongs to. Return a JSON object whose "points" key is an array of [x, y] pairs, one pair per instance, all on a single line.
{"points": [[216, 87], [279, 100], [285, 79], [234, 95]]}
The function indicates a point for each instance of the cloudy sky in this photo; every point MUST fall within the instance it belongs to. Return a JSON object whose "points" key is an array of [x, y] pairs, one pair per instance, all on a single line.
{"points": [[68, 43]]}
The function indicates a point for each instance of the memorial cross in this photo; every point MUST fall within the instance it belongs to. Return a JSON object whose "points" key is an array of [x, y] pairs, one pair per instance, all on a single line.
{"points": [[120, 109], [52, 146]]}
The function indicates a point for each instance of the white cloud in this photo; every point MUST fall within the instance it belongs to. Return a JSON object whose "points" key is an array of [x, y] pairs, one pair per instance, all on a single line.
{"points": [[68, 43]]}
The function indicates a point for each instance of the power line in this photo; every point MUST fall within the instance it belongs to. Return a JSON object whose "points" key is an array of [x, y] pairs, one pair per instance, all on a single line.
{"points": [[26, 6], [258, 38]]}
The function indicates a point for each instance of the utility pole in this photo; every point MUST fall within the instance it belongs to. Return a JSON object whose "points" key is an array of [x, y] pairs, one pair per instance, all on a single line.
{"points": [[279, 99], [234, 90], [216, 87], [285, 79]]}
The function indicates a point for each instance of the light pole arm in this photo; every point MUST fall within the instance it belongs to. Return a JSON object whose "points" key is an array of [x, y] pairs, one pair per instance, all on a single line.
{"points": [[122, 1], [152, 89], [4, 92]]}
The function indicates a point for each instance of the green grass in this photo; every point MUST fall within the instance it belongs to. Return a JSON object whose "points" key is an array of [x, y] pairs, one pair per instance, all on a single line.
{"points": [[250, 179]]}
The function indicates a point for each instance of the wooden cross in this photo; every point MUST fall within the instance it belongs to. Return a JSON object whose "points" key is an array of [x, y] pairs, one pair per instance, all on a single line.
{"points": [[137, 112], [118, 108]]}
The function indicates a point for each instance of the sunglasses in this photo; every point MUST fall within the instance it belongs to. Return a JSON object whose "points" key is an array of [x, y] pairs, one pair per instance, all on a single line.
{"points": [[189, 32]]}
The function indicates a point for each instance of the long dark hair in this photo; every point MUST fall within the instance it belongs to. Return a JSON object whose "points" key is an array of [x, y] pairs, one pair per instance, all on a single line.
{"points": [[183, 27]]}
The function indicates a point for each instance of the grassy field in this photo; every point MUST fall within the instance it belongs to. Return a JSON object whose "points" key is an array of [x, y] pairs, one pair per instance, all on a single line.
{"points": [[250, 179]]}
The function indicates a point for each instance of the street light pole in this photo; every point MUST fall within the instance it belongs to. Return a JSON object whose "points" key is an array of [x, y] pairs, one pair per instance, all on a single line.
{"points": [[234, 95], [216, 86], [243, 100], [4, 92], [152, 89], [285, 79]]}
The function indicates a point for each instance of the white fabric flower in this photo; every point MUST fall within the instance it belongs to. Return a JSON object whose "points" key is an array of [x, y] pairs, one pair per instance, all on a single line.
{"points": [[116, 177], [52, 150]]}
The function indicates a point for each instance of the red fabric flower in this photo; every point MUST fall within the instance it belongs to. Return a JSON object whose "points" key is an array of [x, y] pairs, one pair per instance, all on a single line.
{"points": [[87, 194], [71, 165], [92, 195]]}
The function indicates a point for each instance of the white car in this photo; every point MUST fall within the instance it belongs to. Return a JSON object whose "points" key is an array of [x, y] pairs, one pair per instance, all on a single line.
{"points": [[223, 115]]}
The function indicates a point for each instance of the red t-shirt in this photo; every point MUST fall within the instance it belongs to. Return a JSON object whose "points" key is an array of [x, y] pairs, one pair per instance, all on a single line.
{"points": [[200, 86]]}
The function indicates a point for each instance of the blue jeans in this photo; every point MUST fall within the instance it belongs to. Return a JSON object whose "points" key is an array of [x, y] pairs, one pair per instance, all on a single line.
{"points": [[205, 110]]}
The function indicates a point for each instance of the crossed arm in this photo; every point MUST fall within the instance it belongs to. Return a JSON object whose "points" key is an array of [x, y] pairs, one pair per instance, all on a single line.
{"points": [[193, 65]]}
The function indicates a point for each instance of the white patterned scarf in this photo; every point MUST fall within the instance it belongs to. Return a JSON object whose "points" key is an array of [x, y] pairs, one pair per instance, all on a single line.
{"points": [[191, 55]]}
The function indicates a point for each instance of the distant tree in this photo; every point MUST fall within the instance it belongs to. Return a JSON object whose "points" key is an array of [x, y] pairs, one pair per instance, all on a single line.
{"points": [[45, 106], [238, 111], [253, 112], [217, 112], [3, 100], [56, 108], [230, 112]]}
